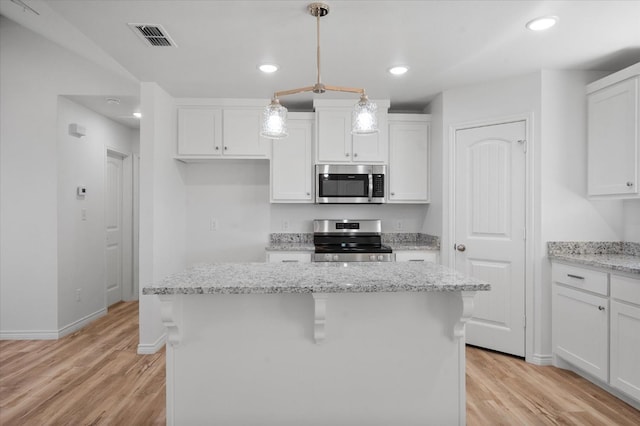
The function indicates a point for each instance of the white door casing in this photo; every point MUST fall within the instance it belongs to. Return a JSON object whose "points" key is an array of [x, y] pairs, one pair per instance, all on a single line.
{"points": [[490, 201], [113, 225]]}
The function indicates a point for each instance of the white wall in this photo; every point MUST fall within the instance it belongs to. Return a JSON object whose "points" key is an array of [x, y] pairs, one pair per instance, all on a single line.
{"points": [[632, 221], [433, 219], [235, 193], [163, 207], [556, 103], [81, 251], [33, 73]]}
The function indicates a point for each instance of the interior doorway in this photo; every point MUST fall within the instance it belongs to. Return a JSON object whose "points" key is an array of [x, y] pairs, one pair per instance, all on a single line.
{"points": [[490, 230]]}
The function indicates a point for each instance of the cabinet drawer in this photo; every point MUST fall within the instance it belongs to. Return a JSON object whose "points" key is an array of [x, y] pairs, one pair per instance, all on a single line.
{"points": [[300, 257], [581, 278], [625, 289], [416, 256]]}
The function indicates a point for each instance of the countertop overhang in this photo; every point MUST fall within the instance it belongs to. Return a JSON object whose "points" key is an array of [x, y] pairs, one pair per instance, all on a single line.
{"points": [[319, 277]]}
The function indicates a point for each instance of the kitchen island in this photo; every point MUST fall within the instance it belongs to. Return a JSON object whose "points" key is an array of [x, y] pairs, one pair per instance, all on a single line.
{"points": [[316, 344]]}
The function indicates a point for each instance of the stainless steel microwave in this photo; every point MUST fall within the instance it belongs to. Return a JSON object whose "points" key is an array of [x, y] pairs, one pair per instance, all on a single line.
{"points": [[350, 184]]}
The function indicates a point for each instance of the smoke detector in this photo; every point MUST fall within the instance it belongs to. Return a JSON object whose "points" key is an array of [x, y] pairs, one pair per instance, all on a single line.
{"points": [[153, 35]]}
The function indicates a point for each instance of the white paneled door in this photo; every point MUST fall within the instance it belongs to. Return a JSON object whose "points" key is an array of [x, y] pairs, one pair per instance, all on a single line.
{"points": [[113, 219], [490, 230]]}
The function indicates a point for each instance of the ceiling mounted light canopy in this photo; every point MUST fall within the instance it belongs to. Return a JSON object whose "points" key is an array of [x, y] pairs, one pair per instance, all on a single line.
{"points": [[274, 118]]}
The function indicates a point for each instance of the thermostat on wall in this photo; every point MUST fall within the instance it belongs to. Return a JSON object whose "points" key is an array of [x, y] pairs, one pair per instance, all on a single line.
{"points": [[77, 130], [82, 191]]}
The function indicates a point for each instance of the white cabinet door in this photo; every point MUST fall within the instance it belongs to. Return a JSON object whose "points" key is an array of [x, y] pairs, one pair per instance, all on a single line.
{"points": [[199, 131], [289, 257], [408, 161], [291, 164], [625, 348], [241, 133], [613, 140], [336, 144], [416, 256], [580, 330], [334, 136]]}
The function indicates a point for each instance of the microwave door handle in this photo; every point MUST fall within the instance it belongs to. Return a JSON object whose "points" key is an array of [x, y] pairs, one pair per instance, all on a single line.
{"points": [[370, 187]]}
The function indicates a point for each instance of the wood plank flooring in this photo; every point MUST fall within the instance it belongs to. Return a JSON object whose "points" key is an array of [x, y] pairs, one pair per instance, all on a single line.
{"points": [[95, 377]]}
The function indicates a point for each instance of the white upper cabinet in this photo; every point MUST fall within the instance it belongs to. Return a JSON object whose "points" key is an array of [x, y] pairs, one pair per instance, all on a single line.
{"points": [[241, 133], [613, 135], [217, 131], [336, 144], [291, 162], [199, 131], [409, 158]]}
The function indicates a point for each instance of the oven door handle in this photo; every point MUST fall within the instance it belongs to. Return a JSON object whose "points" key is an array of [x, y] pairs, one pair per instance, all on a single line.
{"points": [[370, 187]]}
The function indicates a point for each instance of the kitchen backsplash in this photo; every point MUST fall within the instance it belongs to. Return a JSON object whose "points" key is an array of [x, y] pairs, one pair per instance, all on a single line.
{"points": [[593, 247]]}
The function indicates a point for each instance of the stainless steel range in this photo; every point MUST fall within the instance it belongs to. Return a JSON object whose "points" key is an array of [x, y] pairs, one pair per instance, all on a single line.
{"points": [[350, 240]]}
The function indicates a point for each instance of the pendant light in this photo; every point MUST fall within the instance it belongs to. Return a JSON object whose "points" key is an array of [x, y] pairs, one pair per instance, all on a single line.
{"points": [[274, 118]]}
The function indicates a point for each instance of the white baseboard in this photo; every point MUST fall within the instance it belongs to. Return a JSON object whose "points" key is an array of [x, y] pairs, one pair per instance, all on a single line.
{"points": [[82, 322], [52, 334], [29, 335], [148, 349], [538, 359]]}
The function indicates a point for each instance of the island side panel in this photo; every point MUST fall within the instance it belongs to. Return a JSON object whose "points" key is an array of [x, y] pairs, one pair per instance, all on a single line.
{"points": [[388, 358]]}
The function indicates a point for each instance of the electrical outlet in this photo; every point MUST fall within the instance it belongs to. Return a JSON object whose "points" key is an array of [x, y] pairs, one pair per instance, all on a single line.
{"points": [[285, 225], [213, 224], [78, 294], [399, 225]]}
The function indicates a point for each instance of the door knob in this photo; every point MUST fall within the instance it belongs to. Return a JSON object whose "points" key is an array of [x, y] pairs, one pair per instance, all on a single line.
{"points": [[460, 247]]}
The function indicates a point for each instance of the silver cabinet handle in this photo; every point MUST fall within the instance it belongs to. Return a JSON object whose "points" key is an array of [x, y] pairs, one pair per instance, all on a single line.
{"points": [[393, 193], [225, 148], [355, 154], [629, 184], [601, 308], [290, 261], [578, 277], [416, 260], [217, 148], [461, 247], [346, 154], [308, 194]]}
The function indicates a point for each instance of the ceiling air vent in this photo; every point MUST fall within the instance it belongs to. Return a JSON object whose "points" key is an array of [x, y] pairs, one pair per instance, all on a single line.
{"points": [[153, 35]]}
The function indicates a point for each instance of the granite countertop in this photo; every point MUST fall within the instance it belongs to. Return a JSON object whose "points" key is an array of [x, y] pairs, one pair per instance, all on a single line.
{"points": [[614, 256], [267, 278], [397, 241]]}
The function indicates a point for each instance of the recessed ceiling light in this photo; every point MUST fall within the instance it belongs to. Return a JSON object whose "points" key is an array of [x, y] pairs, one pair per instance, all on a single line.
{"points": [[399, 70], [268, 68], [137, 115], [542, 23]]}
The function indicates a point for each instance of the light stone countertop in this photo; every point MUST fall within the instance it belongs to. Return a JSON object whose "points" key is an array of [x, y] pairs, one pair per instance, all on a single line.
{"points": [[614, 262], [321, 277], [611, 255]]}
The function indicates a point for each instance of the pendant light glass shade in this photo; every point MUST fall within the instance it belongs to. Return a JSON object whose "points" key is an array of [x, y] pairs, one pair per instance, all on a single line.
{"points": [[364, 119], [274, 121]]}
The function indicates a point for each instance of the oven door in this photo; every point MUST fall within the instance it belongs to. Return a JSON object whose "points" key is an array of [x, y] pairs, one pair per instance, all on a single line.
{"points": [[347, 184]]}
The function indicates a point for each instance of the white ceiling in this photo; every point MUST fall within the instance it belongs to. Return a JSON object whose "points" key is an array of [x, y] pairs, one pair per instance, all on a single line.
{"points": [[445, 43]]}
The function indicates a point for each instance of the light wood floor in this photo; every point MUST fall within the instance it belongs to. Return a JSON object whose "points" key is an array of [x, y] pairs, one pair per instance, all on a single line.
{"points": [[95, 377]]}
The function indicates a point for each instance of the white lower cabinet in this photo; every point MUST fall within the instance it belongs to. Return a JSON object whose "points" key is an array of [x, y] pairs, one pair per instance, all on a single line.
{"points": [[625, 335], [596, 325], [289, 257], [580, 330], [417, 256]]}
